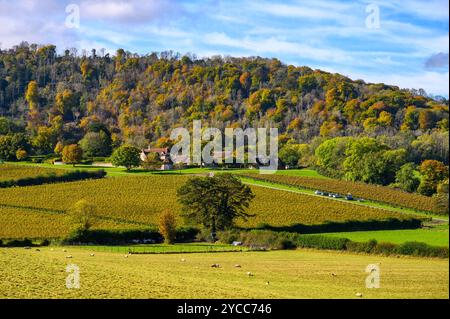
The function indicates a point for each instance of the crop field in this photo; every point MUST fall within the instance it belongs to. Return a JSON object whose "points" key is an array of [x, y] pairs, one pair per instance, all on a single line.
{"points": [[136, 202], [276, 274], [33, 223], [10, 171], [360, 190]]}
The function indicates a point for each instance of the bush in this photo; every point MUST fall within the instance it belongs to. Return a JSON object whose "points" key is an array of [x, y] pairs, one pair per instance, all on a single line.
{"points": [[19, 243], [228, 236], [45, 242], [384, 249], [321, 242], [186, 234], [167, 226], [422, 250], [267, 239], [366, 247]]}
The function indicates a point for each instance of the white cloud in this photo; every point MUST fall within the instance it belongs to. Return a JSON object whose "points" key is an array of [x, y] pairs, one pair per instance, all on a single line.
{"points": [[273, 45]]}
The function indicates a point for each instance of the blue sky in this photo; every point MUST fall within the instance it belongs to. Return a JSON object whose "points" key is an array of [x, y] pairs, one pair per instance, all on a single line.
{"points": [[408, 48]]}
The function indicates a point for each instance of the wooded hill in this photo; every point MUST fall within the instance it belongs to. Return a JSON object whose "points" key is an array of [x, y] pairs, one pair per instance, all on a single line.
{"points": [[139, 99]]}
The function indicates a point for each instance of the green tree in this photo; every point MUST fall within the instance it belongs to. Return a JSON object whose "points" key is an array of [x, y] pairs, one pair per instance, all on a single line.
{"points": [[406, 179], [433, 173], [72, 154], [215, 202], [96, 144], [10, 144], [126, 155], [45, 140], [290, 155], [330, 156]]}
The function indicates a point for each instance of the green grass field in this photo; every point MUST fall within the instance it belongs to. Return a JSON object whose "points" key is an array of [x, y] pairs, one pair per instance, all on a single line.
{"points": [[434, 237], [276, 274], [118, 171]]}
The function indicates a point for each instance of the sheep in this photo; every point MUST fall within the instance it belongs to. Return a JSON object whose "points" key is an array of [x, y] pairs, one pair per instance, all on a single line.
{"points": [[92, 255], [333, 274], [126, 256], [250, 274], [268, 283], [215, 266], [358, 294], [237, 266], [69, 256], [183, 260]]}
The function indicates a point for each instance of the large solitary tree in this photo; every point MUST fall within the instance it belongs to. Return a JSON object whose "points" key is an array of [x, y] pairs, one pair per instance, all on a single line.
{"points": [[126, 155], [215, 202]]}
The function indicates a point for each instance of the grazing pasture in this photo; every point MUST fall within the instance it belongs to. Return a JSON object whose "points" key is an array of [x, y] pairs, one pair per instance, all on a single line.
{"points": [[434, 236], [276, 274]]}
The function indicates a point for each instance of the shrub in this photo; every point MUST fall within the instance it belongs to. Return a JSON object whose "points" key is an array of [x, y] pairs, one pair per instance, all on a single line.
{"points": [[366, 247], [167, 226], [186, 234], [228, 236], [422, 250], [321, 242], [267, 239], [19, 243], [45, 242], [384, 249]]}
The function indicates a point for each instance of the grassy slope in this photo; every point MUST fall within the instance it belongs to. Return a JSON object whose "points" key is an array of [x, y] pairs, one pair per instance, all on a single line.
{"points": [[292, 274], [434, 237]]}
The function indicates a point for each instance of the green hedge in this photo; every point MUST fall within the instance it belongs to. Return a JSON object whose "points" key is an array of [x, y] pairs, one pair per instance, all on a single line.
{"points": [[24, 243], [118, 237], [351, 225], [53, 178]]}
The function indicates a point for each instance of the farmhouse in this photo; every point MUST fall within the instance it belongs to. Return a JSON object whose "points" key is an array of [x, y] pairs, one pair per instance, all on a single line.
{"points": [[164, 156]]}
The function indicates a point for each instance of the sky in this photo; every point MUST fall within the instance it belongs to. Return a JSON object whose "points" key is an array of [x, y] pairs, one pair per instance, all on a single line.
{"points": [[403, 43]]}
